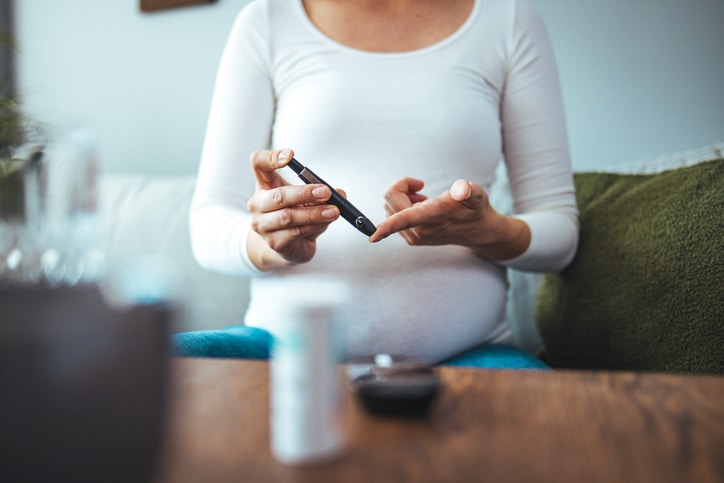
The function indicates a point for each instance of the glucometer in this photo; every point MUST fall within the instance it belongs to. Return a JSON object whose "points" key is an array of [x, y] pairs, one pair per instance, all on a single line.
{"points": [[396, 387], [348, 211]]}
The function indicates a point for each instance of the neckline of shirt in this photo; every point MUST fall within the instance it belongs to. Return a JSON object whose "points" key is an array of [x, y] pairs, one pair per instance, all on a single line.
{"points": [[309, 25]]}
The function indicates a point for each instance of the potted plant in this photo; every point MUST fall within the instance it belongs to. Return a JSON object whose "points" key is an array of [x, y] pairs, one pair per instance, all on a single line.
{"points": [[19, 159], [14, 133], [15, 156]]}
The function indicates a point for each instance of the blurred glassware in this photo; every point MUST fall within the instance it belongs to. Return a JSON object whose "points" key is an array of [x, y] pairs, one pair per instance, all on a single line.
{"points": [[50, 228]]}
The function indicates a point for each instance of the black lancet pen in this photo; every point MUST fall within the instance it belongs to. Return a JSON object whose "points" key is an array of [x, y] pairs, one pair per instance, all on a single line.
{"points": [[348, 211]]}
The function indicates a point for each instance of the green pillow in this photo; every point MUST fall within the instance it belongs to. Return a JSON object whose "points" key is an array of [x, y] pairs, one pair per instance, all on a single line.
{"points": [[645, 291]]}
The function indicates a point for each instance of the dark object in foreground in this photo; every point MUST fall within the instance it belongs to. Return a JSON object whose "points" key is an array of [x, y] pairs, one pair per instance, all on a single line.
{"points": [[84, 386], [398, 389]]}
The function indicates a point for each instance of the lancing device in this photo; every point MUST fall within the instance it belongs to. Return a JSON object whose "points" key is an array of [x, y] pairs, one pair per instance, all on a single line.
{"points": [[348, 211]]}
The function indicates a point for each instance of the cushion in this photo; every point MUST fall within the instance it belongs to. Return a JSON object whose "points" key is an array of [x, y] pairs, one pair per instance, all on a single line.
{"points": [[645, 290], [147, 230], [237, 341], [495, 356]]}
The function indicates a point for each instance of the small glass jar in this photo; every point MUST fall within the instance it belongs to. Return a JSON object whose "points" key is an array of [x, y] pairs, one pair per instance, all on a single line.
{"points": [[50, 228]]}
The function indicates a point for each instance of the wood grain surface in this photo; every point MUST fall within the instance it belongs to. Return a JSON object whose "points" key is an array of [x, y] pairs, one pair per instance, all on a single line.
{"points": [[487, 426]]}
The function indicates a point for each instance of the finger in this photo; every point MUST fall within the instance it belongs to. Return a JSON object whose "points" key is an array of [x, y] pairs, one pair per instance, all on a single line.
{"points": [[403, 193], [399, 206], [266, 201], [403, 220], [464, 192], [408, 185], [264, 164], [299, 222], [283, 241]]}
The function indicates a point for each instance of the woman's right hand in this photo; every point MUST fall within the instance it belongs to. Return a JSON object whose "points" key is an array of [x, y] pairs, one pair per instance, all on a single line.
{"points": [[285, 219]]}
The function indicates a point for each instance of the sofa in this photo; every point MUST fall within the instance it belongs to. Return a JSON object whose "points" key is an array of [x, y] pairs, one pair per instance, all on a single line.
{"points": [[645, 291]]}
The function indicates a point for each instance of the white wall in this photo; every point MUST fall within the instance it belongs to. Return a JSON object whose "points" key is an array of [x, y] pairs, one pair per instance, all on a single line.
{"points": [[142, 81], [641, 78]]}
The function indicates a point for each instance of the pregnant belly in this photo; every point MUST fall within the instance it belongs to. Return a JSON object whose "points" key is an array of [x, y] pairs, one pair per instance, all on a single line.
{"points": [[427, 302]]}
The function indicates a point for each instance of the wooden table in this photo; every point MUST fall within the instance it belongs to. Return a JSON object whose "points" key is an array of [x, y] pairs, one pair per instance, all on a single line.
{"points": [[487, 426]]}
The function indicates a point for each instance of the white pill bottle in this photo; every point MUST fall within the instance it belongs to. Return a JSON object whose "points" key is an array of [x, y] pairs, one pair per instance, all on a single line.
{"points": [[306, 413]]}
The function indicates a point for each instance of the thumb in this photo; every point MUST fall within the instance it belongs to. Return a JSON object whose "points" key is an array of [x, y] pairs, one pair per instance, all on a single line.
{"points": [[462, 191]]}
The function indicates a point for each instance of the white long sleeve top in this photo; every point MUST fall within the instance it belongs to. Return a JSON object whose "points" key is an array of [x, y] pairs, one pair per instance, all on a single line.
{"points": [[362, 120]]}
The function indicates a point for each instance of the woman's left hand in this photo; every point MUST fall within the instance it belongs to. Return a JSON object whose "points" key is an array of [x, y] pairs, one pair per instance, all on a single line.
{"points": [[460, 216]]}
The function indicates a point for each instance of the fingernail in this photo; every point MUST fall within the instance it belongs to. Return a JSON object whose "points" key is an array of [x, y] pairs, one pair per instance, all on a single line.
{"points": [[283, 155], [329, 213], [320, 192], [376, 238]]}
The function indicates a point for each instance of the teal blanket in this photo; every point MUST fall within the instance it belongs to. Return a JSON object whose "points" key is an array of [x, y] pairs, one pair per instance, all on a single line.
{"points": [[238, 341], [243, 342]]}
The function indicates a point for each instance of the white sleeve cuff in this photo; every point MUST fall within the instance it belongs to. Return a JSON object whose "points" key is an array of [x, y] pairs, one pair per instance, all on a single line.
{"points": [[553, 244]]}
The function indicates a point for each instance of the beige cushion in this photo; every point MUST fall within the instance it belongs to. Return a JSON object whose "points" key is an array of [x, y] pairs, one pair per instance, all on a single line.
{"points": [[148, 243]]}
